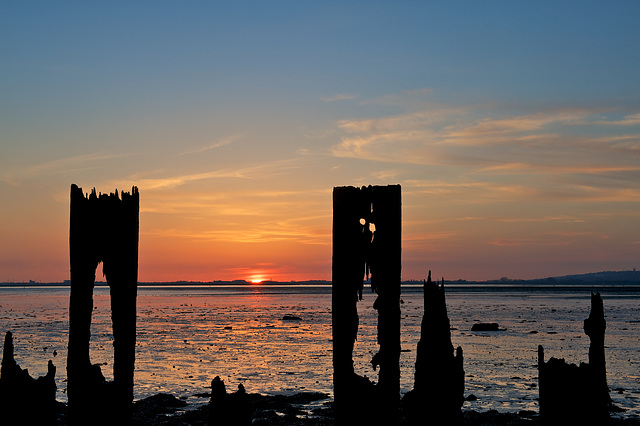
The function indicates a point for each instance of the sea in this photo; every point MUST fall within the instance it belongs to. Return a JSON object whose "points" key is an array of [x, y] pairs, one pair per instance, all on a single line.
{"points": [[187, 335]]}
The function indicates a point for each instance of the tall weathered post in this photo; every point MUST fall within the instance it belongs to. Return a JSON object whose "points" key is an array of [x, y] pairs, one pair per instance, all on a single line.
{"points": [[104, 229], [367, 232], [438, 391], [582, 387], [594, 327]]}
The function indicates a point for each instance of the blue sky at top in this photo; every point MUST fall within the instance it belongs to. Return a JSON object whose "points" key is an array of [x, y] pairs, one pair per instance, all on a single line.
{"points": [[519, 120]]}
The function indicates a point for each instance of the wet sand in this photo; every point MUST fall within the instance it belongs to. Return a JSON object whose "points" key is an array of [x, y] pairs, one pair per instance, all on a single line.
{"points": [[239, 334]]}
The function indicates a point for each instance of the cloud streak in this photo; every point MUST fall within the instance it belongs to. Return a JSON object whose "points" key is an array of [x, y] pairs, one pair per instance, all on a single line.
{"points": [[256, 171], [219, 144], [338, 97], [73, 164], [549, 153], [629, 120]]}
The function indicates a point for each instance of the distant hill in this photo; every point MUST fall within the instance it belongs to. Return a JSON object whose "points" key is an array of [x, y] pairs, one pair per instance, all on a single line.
{"points": [[613, 277], [594, 278]]}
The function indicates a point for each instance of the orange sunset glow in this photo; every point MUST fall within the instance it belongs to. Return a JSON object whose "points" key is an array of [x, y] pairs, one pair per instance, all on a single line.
{"points": [[515, 158], [320, 213]]}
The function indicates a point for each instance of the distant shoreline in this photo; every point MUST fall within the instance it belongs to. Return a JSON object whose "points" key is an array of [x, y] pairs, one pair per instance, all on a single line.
{"points": [[451, 286], [608, 278]]}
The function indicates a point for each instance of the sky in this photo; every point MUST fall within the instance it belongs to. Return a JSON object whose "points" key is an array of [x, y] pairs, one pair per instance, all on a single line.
{"points": [[512, 126]]}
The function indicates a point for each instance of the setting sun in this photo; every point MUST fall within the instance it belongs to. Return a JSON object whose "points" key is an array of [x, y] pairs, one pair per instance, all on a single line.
{"points": [[256, 278]]}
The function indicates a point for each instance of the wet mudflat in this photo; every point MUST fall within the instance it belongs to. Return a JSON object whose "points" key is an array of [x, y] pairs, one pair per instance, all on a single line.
{"points": [[187, 336]]}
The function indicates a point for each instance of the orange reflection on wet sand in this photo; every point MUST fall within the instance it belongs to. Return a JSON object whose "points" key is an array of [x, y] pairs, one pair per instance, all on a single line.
{"points": [[188, 335]]}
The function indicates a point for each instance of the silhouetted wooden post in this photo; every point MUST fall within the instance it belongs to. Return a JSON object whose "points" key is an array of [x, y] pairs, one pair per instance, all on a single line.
{"points": [[102, 229], [367, 224], [121, 270], [438, 390], [23, 399], [348, 270], [594, 327], [577, 394], [386, 266]]}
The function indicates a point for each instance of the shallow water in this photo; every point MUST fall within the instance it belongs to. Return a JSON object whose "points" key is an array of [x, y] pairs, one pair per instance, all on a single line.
{"points": [[188, 335]]}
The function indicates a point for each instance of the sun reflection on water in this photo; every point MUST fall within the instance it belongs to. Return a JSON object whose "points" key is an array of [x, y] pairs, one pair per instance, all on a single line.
{"points": [[187, 337]]}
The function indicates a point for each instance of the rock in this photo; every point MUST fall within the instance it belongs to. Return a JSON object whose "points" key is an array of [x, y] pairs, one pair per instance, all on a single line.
{"points": [[288, 317], [157, 404], [486, 326]]}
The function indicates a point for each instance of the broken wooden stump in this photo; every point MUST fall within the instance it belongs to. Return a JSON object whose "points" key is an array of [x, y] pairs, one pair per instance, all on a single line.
{"points": [[573, 394], [103, 228], [367, 224], [438, 392], [229, 409], [23, 399]]}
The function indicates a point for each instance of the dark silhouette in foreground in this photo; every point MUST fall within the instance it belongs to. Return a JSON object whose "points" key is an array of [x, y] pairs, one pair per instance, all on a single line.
{"points": [[23, 399], [367, 224], [229, 409], [577, 393], [104, 229], [438, 390]]}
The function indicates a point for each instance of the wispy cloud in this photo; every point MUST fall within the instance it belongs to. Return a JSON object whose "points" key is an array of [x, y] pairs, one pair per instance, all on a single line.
{"points": [[472, 191], [528, 122], [629, 120], [560, 219], [218, 144], [173, 181], [73, 164], [509, 242], [547, 153], [385, 175], [245, 235], [409, 99], [510, 168], [235, 223], [338, 97], [256, 171]]}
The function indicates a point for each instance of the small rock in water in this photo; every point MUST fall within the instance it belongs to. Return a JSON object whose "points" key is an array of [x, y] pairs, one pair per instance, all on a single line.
{"points": [[485, 326], [471, 397], [288, 317]]}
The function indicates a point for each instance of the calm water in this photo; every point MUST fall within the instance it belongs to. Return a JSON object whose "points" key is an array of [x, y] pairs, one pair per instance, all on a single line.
{"points": [[187, 336]]}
